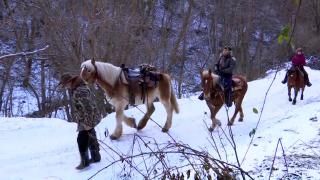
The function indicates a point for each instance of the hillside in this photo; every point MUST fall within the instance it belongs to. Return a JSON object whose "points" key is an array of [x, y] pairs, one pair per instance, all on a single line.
{"points": [[46, 148]]}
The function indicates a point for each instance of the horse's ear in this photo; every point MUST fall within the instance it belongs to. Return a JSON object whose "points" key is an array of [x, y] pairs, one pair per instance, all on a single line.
{"points": [[93, 61], [210, 71], [201, 71]]}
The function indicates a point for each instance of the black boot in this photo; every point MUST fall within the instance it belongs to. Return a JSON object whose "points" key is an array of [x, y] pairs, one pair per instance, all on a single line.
{"points": [[83, 144], [309, 84], [84, 160], [94, 147], [285, 79], [95, 156], [201, 97], [306, 79]]}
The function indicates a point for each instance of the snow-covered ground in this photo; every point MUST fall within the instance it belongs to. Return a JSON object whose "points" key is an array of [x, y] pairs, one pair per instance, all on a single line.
{"points": [[46, 148]]}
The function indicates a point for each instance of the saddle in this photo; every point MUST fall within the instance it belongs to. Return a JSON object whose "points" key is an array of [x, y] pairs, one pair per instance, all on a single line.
{"points": [[296, 69], [237, 84], [140, 79]]}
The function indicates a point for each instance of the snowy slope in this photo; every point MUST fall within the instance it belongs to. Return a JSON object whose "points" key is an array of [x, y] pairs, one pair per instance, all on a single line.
{"points": [[47, 149]]}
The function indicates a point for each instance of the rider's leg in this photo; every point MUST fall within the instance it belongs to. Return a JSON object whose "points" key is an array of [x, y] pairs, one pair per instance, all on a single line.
{"points": [[285, 78], [306, 77]]}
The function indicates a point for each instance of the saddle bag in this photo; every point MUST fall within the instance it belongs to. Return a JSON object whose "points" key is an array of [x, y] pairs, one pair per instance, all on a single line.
{"points": [[140, 79]]}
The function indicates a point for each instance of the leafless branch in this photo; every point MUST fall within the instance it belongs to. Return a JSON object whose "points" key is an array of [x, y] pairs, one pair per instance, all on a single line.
{"points": [[24, 53]]}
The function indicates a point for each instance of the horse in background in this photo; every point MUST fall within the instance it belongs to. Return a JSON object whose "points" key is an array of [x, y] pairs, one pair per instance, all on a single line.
{"points": [[297, 82], [215, 98], [112, 79]]}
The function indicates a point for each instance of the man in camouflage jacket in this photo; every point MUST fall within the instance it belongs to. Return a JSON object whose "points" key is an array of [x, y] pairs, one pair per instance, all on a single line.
{"points": [[85, 114]]}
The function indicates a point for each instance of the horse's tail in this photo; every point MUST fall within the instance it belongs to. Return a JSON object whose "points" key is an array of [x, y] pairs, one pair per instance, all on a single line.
{"points": [[174, 102]]}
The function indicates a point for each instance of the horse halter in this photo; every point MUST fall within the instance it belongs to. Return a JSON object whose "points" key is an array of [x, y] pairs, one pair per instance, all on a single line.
{"points": [[294, 71], [206, 85], [96, 74]]}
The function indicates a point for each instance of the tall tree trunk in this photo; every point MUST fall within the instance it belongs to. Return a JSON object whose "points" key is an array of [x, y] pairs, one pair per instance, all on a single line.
{"points": [[181, 36], [8, 66], [43, 88]]}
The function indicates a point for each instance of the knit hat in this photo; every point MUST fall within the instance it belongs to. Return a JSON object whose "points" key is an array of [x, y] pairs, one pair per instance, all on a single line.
{"points": [[299, 49]]}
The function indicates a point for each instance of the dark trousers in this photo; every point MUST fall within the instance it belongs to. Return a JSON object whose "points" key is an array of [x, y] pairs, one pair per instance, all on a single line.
{"points": [[87, 139], [306, 76], [226, 81]]}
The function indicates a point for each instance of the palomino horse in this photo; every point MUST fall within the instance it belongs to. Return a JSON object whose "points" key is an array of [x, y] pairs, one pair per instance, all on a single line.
{"points": [[296, 81], [214, 95], [111, 79]]}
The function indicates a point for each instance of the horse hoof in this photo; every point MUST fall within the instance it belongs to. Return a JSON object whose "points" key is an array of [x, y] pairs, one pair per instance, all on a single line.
{"points": [[139, 128], [240, 119], [141, 125], [113, 137], [218, 122], [210, 129], [290, 100], [230, 123], [165, 130], [294, 103]]}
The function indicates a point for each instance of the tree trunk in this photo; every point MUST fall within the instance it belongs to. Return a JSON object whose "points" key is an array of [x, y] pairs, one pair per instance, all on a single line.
{"points": [[43, 88], [7, 72]]}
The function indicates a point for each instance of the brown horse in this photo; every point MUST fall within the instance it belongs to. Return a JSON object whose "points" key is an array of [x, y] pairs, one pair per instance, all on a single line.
{"points": [[296, 81], [214, 95], [111, 78]]}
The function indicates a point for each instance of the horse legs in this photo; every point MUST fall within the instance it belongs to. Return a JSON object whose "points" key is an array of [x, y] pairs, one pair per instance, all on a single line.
{"points": [[214, 110], [120, 116], [301, 97], [144, 120], [237, 109], [118, 131], [169, 110], [289, 93], [241, 114], [296, 90]]}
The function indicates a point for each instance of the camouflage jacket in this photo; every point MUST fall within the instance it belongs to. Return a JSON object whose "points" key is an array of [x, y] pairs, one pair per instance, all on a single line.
{"points": [[85, 111]]}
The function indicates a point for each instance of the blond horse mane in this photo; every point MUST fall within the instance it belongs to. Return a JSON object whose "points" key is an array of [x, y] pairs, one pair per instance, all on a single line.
{"points": [[215, 78], [107, 72]]}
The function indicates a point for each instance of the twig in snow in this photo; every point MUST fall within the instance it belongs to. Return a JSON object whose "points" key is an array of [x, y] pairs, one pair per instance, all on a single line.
{"points": [[274, 157], [261, 112]]}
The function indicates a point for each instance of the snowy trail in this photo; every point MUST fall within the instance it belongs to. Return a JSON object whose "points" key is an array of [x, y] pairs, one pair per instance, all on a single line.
{"points": [[46, 148]]}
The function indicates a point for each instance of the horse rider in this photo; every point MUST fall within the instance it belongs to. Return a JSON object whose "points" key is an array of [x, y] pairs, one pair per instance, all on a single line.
{"points": [[299, 60], [85, 114], [224, 68]]}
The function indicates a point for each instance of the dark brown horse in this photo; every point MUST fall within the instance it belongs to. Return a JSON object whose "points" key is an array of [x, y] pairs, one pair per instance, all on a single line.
{"points": [[111, 79], [296, 81], [214, 95]]}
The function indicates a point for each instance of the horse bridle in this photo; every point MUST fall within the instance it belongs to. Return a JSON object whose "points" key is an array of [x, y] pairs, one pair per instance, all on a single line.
{"points": [[96, 74], [213, 91], [295, 70]]}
